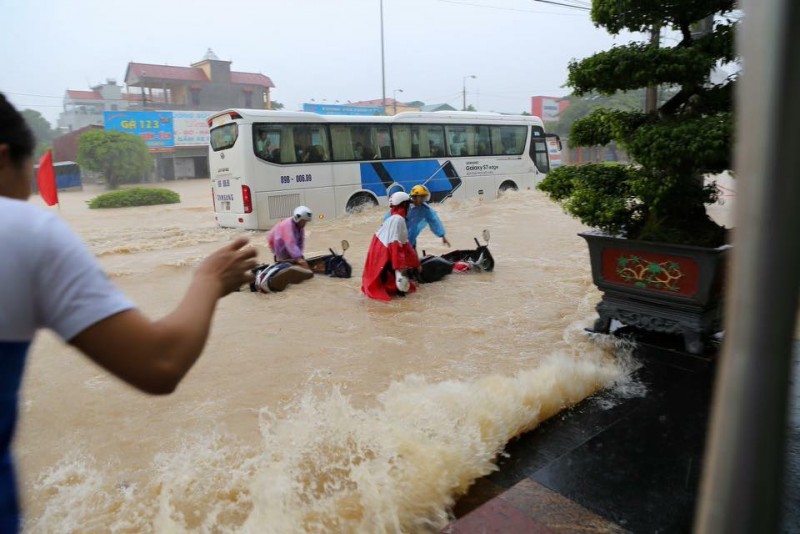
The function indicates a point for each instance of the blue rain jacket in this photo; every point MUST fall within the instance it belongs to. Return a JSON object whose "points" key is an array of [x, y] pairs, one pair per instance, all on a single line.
{"points": [[420, 217]]}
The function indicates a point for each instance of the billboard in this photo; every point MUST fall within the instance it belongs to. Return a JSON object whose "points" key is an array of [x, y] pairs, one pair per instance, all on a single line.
{"points": [[548, 108], [162, 130], [323, 109], [154, 127], [190, 127]]}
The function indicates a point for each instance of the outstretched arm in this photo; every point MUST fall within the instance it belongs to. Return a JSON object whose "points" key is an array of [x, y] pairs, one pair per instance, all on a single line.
{"points": [[155, 355], [436, 225]]}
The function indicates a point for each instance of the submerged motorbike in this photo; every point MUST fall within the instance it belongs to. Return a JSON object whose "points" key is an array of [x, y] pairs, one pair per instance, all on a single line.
{"points": [[333, 265], [479, 259]]}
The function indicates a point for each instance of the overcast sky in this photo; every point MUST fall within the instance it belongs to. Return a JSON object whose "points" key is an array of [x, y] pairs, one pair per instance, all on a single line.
{"points": [[320, 49]]}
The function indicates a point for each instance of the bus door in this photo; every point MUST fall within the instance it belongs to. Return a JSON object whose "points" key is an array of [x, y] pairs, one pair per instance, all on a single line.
{"points": [[538, 151]]}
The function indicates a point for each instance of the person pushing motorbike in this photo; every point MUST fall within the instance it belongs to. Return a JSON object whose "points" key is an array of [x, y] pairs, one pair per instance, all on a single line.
{"points": [[421, 215], [390, 256], [287, 242]]}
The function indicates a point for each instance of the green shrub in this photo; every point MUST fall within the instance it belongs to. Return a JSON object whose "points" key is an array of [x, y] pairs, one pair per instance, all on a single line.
{"points": [[597, 194], [137, 196], [636, 203]]}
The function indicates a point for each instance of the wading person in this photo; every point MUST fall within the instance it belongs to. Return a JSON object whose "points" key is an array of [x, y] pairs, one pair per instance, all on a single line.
{"points": [[390, 255], [49, 279], [420, 215], [287, 242]]}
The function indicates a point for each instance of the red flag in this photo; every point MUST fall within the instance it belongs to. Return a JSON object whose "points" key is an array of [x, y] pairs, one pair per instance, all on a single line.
{"points": [[46, 179]]}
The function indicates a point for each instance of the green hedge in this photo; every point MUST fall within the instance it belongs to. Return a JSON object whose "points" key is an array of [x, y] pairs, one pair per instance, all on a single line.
{"points": [[137, 196]]}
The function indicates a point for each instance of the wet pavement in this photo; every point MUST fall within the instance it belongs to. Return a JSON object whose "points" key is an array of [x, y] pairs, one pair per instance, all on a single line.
{"points": [[612, 464]]}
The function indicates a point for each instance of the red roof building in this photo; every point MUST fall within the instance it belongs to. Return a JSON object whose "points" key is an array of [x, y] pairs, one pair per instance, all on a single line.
{"points": [[208, 85], [65, 147]]}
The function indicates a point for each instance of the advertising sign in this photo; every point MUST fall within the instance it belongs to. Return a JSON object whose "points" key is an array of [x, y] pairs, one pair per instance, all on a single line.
{"points": [[322, 109], [549, 109], [190, 127], [154, 127], [553, 153]]}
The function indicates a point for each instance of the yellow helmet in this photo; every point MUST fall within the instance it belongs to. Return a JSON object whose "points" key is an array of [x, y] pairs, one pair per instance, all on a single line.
{"points": [[419, 191]]}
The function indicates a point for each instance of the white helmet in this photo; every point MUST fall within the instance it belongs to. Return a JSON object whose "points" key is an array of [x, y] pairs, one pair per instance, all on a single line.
{"points": [[398, 198], [301, 213]]}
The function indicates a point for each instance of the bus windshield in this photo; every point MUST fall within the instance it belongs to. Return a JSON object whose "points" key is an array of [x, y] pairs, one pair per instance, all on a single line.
{"points": [[224, 137]]}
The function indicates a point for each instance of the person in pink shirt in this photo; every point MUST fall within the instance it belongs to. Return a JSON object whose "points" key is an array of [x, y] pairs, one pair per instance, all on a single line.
{"points": [[287, 240]]}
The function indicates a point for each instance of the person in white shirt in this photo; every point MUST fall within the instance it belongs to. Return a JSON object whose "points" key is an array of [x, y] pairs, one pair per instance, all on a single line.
{"points": [[49, 279]]}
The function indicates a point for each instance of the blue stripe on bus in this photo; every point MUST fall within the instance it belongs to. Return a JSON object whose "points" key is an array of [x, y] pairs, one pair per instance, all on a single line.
{"points": [[406, 173]]}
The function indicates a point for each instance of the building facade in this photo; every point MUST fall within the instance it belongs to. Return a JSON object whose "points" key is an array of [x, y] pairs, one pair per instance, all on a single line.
{"points": [[187, 95], [85, 108], [208, 84]]}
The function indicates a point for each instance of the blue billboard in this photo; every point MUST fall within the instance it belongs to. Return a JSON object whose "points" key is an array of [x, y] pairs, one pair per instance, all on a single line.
{"points": [[154, 127], [323, 109]]}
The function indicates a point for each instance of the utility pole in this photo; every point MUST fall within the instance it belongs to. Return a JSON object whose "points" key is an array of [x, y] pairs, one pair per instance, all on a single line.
{"points": [[651, 94], [383, 65], [464, 91]]}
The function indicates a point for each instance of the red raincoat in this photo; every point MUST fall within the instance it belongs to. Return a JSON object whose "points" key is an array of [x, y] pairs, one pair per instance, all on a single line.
{"points": [[389, 251]]}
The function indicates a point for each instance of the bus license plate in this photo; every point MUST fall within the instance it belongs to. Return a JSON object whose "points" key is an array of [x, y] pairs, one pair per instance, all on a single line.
{"points": [[226, 206]]}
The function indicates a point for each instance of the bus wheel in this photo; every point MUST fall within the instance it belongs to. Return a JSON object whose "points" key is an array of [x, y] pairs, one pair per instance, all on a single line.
{"points": [[508, 185], [360, 202]]}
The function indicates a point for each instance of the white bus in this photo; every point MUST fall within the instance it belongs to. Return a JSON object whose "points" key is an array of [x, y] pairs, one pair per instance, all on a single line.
{"points": [[265, 163]]}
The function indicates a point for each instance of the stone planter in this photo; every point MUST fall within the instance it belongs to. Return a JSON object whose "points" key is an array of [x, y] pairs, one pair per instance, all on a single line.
{"points": [[659, 286]]}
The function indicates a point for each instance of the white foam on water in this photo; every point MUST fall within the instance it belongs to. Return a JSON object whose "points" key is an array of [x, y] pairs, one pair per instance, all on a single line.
{"points": [[326, 465]]}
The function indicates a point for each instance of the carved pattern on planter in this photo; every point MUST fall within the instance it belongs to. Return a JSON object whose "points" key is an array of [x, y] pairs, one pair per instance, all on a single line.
{"points": [[643, 273], [688, 301]]}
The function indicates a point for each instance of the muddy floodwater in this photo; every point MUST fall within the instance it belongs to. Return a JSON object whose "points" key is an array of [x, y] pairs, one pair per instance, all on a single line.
{"points": [[315, 409]]}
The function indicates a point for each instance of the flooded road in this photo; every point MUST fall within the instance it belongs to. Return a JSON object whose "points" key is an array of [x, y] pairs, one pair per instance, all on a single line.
{"points": [[315, 409]]}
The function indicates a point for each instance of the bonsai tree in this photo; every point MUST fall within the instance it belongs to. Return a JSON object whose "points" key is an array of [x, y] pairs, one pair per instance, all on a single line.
{"points": [[121, 157], [662, 195]]}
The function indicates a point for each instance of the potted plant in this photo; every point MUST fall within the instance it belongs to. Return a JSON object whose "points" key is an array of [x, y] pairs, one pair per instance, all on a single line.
{"points": [[657, 256]]}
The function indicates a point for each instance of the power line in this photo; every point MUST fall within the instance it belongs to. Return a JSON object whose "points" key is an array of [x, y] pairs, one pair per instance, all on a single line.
{"points": [[74, 100], [38, 105], [573, 6], [485, 6], [30, 94], [575, 3]]}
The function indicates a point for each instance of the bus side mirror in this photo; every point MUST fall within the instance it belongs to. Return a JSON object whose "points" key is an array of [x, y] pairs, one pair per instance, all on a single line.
{"points": [[345, 245], [486, 235], [557, 138]]}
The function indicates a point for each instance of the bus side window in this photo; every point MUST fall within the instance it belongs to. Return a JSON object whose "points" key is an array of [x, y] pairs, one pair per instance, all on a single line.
{"points": [[316, 154]]}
